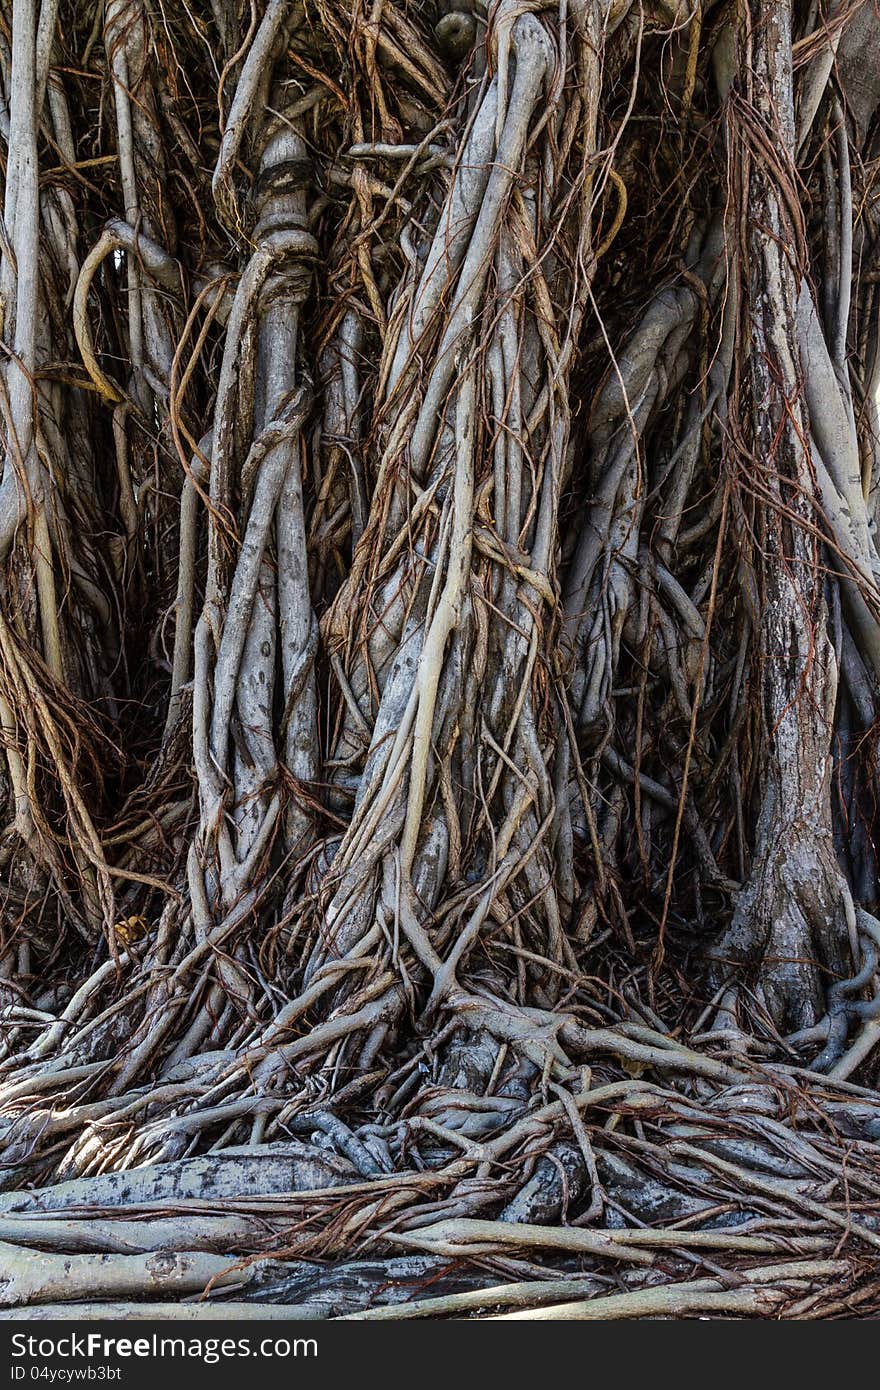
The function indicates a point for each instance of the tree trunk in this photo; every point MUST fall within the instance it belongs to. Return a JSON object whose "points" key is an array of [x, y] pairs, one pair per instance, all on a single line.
{"points": [[440, 634]]}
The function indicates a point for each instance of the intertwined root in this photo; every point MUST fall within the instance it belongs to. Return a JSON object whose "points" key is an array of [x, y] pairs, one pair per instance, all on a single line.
{"points": [[486, 551]]}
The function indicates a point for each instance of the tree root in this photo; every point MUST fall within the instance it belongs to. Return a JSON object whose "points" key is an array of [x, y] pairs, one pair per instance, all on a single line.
{"points": [[438, 619]]}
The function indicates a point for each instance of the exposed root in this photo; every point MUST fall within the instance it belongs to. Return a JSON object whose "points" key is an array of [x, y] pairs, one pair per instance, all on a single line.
{"points": [[439, 645]]}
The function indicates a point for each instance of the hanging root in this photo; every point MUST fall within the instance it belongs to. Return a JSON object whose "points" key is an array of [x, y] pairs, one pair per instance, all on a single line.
{"points": [[438, 661]]}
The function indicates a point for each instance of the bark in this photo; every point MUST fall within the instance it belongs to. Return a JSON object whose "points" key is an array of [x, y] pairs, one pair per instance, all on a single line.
{"points": [[791, 918]]}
